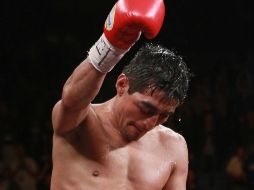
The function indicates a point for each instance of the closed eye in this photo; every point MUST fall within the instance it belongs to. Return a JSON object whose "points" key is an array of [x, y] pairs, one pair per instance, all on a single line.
{"points": [[149, 109], [146, 111]]}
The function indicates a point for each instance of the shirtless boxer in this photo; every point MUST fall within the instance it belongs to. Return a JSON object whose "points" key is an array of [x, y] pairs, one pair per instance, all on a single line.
{"points": [[121, 144]]}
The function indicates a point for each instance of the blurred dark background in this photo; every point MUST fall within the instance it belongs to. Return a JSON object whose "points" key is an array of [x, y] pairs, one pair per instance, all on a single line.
{"points": [[43, 41]]}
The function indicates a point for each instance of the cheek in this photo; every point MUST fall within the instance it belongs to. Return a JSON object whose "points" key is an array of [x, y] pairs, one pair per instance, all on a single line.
{"points": [[128, 115], [161, 121], [131, 111]]}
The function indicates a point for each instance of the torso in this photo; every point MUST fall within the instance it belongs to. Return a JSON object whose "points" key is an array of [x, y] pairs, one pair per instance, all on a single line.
{"points": [[83, 160]]}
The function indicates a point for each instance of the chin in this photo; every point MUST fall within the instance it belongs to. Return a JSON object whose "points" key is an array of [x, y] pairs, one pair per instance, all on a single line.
{"points": [[132, 136]]}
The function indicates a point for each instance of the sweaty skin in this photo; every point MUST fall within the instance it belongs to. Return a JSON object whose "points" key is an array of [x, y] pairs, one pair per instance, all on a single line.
{"points": [[117, 145]]}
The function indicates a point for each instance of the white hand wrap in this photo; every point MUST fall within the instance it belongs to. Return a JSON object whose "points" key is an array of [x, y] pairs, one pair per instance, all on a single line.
{"points": [[105, 56]]}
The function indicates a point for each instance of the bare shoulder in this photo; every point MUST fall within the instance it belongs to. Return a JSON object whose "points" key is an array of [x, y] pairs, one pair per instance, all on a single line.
{"points": [[170, 141], [168, 135], [174, 144]]}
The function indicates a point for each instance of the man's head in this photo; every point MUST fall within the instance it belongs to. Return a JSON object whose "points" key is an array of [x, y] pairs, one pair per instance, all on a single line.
{"points": [[150, 88], [155, 67]]}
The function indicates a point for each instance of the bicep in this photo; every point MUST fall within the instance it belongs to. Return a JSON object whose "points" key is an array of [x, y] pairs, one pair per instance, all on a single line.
{"points": [[177, 180], [64, 120]]}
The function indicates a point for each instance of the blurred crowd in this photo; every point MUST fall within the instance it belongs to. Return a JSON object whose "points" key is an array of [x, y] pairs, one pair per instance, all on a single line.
{"points": [[218, 124]]}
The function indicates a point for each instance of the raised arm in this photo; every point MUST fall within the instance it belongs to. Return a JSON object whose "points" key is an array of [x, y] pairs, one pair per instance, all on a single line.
{"points": [[125, 23], [77, 94]]}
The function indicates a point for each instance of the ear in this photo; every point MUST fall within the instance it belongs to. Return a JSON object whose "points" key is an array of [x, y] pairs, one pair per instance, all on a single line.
{"points": [[122, 84]]}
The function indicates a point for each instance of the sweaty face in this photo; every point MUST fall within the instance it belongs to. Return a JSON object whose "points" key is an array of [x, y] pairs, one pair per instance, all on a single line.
{"points": [[141, 112]]}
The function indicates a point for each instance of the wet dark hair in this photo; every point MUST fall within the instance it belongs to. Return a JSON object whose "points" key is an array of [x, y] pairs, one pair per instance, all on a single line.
{"points": [[158, 68]]}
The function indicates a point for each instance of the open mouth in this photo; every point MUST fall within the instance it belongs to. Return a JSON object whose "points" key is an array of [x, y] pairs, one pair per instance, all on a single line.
{"points": [[134, 132], [138, 129]]}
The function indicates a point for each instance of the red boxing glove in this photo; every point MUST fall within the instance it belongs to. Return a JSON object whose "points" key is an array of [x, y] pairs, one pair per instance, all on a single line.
{"points": [[129, 18], [123, 26]]}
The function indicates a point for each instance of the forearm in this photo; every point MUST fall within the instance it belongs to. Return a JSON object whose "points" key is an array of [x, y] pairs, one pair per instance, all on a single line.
{"points": [[82, 86]]}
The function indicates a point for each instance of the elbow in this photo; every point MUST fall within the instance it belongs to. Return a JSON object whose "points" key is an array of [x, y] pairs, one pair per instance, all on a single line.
{"points": [[71, 99]]}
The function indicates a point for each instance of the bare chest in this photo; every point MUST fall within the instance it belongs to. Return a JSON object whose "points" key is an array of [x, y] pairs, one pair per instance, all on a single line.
{"points": [[129, 168]]}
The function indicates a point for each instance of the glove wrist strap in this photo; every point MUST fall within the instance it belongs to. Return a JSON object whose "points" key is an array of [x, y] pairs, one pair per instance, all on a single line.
{"points": [[104, 56]]}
